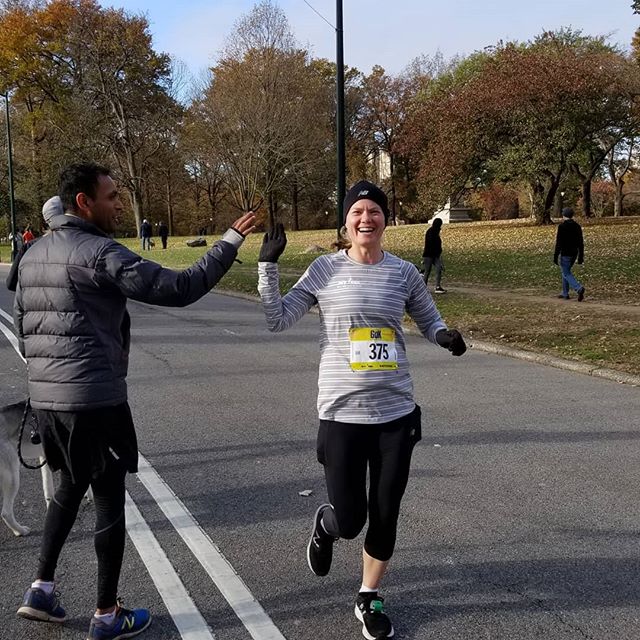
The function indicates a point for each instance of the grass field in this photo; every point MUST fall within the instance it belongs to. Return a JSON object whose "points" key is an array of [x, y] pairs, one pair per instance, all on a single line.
{"points": [[491, 259]]}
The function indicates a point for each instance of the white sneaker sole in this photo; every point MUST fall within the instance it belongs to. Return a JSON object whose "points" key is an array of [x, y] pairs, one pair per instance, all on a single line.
{"points": [[40, 616], [365, 633]]}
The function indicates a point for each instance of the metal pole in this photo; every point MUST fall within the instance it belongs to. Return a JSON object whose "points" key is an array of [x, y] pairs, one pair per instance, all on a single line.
{"points": [[341, 162], [12, 208]]}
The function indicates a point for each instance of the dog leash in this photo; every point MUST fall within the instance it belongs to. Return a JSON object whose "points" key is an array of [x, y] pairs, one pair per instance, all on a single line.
{"points": [[34, 433]]}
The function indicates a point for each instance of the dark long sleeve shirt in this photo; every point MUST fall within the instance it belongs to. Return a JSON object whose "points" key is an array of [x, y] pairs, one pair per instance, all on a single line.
{"points": [[569, 241], [432, 244]]}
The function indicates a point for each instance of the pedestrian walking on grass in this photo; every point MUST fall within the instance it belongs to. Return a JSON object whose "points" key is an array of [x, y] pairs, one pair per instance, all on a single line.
{"points": [[145, 235], [74, 331], [569, 249], [369, 420], [163, 232], [432, 254]]}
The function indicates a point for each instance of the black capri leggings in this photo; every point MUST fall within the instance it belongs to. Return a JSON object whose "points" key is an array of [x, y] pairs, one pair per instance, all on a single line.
{"points": [[345, 450], [85, 464]]}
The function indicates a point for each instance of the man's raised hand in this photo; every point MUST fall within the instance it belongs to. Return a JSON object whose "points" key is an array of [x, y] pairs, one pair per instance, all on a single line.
{"points": [[244, 225]]}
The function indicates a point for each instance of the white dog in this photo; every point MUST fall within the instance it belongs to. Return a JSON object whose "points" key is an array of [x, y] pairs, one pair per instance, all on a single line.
{"points": [[10, 421]]}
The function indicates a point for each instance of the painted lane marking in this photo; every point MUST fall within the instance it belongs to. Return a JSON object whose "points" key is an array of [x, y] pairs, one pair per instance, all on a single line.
{"points": [[246, 607], [6, 316], [186, 617], [236, 593], [11, 336]]}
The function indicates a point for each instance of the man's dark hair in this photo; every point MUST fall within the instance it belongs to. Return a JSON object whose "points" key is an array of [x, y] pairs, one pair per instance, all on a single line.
{"points": [[79, 178]]}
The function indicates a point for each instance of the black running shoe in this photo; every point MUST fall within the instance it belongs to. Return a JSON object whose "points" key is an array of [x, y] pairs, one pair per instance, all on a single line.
{"points": [[320, 547], [375, 622]]}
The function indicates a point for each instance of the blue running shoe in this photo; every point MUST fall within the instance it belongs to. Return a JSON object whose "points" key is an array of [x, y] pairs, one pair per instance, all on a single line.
{"points": [[45, 607], [127, 623]]}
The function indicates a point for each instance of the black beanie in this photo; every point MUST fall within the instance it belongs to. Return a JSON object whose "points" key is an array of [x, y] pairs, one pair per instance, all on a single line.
{"points": [[366, 190]]}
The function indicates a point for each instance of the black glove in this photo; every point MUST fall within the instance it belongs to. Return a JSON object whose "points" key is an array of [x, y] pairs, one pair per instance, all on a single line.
{"points": [[273, 244], [451, 340]]}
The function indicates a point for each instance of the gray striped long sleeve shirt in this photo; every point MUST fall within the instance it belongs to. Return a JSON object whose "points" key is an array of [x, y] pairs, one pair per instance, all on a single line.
{"points": [[352, 295]]}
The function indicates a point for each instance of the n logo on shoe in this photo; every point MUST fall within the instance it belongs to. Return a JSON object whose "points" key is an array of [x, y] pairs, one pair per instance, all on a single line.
{"points": [[129, 622]]}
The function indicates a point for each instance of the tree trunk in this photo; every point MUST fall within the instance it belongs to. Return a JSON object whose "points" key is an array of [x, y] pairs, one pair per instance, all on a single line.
{"points": [[135, 197], [586, 198], [393, 189], [295, 221], [618, 197], [169, 205], [36, 166], [557, 205], [540, 205], [272, 210]]}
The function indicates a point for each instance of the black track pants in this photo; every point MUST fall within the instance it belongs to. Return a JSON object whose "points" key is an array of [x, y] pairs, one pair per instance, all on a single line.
{"points": [[346, 450], [106, 476]]}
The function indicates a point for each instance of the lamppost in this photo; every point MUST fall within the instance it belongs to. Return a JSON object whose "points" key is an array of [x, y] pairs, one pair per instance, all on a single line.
{"points": [[12, 208], [341, 160], [340, 143]]}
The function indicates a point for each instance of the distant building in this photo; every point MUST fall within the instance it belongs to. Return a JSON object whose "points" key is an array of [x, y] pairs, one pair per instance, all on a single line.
{"points": [[381, 163]]}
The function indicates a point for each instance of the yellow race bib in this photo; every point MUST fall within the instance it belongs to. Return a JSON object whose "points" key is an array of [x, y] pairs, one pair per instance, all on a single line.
{"points": [[373, 349]]}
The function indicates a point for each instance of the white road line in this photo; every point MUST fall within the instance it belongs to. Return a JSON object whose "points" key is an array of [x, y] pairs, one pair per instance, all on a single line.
{"points": [[246, 607], [11, 336], [6, 316], [185, 614], [186, 617]]}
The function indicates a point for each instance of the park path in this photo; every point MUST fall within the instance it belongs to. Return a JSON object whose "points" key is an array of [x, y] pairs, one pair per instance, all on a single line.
{"points": [[521, 296], [526, 296]]}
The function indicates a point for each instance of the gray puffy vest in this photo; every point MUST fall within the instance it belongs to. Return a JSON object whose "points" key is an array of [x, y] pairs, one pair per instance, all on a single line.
{"points": [[70, 310]]}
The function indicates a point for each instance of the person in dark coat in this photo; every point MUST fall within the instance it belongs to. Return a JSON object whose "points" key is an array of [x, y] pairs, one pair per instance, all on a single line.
{"points": [[432, 254], [145, 234], [163, 232], [70, 313], [569, 249]]}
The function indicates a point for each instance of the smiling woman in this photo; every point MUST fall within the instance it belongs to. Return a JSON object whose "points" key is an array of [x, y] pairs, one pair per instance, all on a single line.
{"points": [[369, 420]]}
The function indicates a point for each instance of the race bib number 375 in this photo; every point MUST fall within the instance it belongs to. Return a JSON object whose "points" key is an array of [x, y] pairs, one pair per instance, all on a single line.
{"points": [[373, 349]]}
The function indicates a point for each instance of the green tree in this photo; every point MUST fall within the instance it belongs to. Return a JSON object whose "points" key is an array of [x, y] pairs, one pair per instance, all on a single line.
{"points": [[524, 113]]}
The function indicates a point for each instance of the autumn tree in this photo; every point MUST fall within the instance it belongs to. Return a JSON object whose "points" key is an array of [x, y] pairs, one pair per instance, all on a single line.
{"points": [[385, 101], [90, 84], [256, 108], [523, 113], [619, 163]]}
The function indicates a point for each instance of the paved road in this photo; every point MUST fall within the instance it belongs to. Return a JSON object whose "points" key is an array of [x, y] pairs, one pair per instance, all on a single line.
{"points": [[520, 520]]}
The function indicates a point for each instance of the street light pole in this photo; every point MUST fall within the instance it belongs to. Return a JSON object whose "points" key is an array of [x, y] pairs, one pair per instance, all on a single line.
{"points": [[12, 207], [340, 114]]}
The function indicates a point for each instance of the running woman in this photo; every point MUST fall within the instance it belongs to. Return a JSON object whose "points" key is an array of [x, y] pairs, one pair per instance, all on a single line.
{"points": [[368, 416]]}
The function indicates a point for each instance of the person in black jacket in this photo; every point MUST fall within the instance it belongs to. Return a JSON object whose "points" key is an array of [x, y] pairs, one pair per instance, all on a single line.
{"points": [[163, 232], [73, 329], [432, 254], [569, 248], [145, 234]]}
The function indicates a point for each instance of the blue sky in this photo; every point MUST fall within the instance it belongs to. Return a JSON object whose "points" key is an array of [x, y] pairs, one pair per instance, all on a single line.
{"points": [[389, 33]]}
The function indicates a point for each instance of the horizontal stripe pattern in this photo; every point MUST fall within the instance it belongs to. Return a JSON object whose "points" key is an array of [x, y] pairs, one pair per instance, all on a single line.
{"points": [[354, 295]]}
